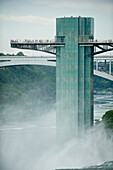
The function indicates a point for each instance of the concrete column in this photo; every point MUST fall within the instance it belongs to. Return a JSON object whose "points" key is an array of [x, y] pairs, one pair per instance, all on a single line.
{"points": [[94, 49], [97, 65], [87, 88], [105, 65], [91, 86], [110, 67], [81, 90]]}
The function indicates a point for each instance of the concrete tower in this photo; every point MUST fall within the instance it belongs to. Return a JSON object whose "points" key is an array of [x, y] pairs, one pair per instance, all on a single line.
{"points": [[74, 77]]}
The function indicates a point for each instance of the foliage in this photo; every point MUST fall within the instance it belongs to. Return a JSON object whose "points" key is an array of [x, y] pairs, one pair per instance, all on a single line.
{"points": [[18, 54], [2, 54], [101, 83], [97, 121], [17, 80], [26, 87], [108, 120]]}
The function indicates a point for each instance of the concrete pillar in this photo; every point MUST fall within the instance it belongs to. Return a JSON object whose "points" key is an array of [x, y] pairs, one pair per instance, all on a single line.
{"points": [[105, 65], [97, 65], [81, 89], [87, 88], [110, 67]]}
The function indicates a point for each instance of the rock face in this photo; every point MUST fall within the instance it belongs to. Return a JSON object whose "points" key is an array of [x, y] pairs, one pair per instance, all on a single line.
{"points": [[104, 166]]}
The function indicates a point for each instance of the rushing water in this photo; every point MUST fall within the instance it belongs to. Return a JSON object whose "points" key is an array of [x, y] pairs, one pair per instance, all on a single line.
{"points": [[103, 101], [30, 144]]}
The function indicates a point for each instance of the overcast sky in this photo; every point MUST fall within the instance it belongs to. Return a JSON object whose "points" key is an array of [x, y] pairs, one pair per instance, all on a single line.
{"points": [[36, 19]]}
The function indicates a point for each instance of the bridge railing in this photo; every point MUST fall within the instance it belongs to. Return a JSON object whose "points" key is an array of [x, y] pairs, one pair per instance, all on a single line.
{"points": [[106, 66], [90, 39], [103, 70], [59, 39], [32, 41]]}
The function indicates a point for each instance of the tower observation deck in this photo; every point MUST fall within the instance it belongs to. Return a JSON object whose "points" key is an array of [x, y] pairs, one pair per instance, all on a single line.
{"points": [[74, 50]]}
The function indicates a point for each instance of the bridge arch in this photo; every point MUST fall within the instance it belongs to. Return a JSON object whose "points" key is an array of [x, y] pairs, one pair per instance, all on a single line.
{"points": [[10, 63], [42, 61]]}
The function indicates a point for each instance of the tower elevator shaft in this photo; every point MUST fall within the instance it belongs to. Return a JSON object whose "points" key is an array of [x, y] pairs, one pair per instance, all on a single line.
{"points": [[74, 77]]}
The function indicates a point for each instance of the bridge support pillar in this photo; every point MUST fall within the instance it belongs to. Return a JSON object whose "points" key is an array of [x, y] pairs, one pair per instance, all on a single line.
{"points": [[110, 67], [97, 65]]}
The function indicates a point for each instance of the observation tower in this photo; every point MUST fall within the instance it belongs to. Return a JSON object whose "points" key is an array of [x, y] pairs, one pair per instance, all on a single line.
{"points": [[74, 77]]}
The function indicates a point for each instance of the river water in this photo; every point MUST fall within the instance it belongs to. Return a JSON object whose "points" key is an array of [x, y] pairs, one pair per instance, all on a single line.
{"points": [[30, 144], [103, 101]]}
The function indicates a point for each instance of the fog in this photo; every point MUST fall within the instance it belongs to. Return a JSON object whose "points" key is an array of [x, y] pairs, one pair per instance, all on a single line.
{"points": [[92, 149], [24, 145], [30, 143]]}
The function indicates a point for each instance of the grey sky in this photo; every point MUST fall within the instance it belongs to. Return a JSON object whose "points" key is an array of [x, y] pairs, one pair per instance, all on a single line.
{"points": [[35, 19]]}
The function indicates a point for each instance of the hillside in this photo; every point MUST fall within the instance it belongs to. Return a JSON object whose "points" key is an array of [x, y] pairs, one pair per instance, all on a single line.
{"points": [[26, 89], [31, 88], [102, 84]]}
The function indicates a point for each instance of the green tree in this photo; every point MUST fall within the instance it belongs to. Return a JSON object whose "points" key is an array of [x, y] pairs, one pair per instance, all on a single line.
{"points": [[108, 120], [19, 54], [2, 54]]}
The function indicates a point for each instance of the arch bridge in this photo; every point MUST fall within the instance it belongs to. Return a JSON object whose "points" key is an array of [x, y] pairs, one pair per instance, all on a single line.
{"points": [[51, 61]]}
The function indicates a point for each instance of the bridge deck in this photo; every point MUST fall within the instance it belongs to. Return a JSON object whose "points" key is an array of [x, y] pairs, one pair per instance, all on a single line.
{"points": [[62, 43], [97, 57], [95, 43], [43, 43]]}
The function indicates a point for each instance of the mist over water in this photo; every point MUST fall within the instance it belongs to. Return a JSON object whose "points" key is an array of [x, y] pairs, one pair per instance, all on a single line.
{"points": [[94, 148], [31, 144], [24, 145]]}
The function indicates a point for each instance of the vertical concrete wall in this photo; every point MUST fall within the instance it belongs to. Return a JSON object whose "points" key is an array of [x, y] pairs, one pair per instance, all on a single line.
{"points": [[73, 77], [81, 66]]}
